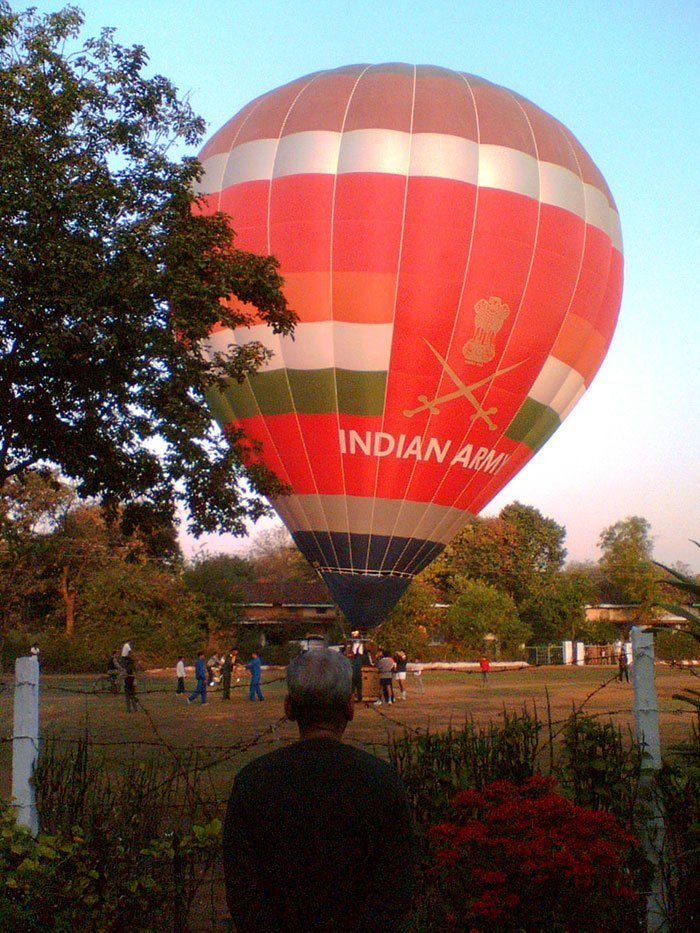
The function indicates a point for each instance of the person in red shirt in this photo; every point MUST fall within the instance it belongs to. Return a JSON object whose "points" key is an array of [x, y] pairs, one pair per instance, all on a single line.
{"points": [[485, 666]]}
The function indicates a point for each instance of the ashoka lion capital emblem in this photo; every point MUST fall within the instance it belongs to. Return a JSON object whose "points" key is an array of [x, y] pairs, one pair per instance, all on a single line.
{"points": [[489, 319]]}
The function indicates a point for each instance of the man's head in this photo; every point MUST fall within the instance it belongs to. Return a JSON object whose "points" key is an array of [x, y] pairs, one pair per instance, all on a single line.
{"points": [[320, 691], [201, 654]]}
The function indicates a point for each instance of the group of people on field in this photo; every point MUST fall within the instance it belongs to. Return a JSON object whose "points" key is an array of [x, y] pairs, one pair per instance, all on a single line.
{"points": [[392, 669], [220, 669]]}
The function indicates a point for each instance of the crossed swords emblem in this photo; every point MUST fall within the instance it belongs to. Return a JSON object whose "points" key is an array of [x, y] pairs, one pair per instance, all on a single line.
{"points": [[461, 391]]}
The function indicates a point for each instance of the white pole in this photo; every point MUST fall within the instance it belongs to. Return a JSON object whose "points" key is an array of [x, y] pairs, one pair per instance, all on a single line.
{"points": [[25, 742], [646, 707], [646, 717]]}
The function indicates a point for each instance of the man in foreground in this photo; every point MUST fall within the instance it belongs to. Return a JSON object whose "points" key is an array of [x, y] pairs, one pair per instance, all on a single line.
{"points": [[318, 834]]}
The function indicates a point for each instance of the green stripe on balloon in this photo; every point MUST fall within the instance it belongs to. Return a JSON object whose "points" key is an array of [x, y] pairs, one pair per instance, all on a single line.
{"points": [[220, 408], [533, 425], [308, 392]]}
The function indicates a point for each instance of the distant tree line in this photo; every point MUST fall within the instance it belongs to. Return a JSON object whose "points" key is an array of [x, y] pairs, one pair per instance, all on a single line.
{"points": [[72, 574], [503, 583]]}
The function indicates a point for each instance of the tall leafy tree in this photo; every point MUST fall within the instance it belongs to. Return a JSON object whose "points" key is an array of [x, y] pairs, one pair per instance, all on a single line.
{"points": [[626, 562], [218, 581], [145, 602], [555, 610], [275, 558], [32, 506], [110, 277], [480, 612], [411, 622], [52, 545], [518, 552]]}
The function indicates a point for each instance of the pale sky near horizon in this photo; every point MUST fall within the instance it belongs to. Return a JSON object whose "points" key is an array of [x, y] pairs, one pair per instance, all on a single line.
{"points": [[625, 79]]}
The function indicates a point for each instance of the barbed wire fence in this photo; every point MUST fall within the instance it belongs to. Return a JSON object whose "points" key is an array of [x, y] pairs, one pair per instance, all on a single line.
{"points": [[187, 784]]}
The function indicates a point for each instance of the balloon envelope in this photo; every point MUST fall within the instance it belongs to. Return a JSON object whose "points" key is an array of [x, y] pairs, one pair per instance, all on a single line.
{"points": [[455, 260]]}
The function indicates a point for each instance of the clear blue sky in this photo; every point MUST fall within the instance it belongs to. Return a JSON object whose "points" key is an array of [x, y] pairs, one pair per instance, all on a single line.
{"points": [[625, 78]]}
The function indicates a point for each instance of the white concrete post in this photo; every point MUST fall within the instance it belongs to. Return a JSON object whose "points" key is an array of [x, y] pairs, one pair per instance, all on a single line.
{"points": [[646, 707], [567, 652], [579, 653], [646, 717], [25, 742]]}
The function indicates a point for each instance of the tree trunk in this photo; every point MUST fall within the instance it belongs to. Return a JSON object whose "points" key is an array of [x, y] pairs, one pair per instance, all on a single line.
{"points": [[69, 601]]}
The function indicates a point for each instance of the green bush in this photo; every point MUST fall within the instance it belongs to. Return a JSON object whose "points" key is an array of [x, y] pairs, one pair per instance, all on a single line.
{"points": [[128, 847], [674, 645], [434, 766], [598, 769], [678, 786], [155, 645], [66, 880]]}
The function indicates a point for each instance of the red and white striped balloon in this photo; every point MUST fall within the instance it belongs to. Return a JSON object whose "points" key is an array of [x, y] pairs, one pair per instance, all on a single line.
{"points": [[455, 260]]}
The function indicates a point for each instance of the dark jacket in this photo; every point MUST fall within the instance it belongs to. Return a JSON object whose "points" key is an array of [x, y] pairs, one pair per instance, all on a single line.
{"points": [[318, 836]]}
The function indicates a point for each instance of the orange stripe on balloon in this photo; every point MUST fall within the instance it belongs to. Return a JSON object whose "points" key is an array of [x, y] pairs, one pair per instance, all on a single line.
{"points": [[580, 346]]}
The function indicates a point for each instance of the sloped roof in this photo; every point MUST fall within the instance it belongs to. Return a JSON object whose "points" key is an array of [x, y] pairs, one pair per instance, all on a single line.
{"points": [[277, 592]]}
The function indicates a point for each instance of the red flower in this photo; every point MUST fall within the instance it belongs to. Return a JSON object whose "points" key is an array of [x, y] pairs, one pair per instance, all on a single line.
{"points": [[523, 855]]}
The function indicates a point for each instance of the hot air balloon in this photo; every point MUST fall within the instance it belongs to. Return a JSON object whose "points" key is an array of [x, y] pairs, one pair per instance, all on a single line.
{"points": [[455, 260]]}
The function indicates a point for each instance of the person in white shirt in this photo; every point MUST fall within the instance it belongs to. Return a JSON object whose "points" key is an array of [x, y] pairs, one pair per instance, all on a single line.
{"points": [[180, 674], [386, 667]]}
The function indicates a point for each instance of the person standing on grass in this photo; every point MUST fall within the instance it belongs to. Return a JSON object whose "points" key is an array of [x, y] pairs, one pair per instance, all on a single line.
{"points": [[255, 668], [200, 673], [318, 834], [400, 672], [130, 684], [385, 666], [226, 670], [180, 674], [485, 666], [357, 662], [623, 665], [114, 671]]}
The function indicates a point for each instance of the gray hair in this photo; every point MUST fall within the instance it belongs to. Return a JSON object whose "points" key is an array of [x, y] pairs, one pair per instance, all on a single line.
{"points": [[319, 683]]}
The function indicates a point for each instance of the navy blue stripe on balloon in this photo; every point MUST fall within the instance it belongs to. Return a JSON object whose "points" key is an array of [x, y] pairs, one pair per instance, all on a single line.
{"points": [[353, 553], [365, 599]]}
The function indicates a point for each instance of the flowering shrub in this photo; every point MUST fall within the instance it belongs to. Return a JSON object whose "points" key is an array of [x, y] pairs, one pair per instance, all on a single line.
{"points": [[522, 857]]}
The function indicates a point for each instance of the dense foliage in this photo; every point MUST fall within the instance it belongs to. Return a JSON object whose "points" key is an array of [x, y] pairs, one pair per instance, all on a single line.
{"points": [[522, 857], [626, 549], [109, 279], [480, 614], [82, 584], [521, 554]]}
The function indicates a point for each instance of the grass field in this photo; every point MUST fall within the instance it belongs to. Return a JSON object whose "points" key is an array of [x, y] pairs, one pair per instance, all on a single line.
{"points": [[166, 723]]}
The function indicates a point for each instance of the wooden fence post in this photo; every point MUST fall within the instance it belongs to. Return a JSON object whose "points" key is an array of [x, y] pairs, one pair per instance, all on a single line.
{"points": [[25, 742], [646, 717]]}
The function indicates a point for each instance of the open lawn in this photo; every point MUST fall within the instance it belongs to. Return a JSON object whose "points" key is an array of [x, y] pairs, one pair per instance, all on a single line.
{"points": [[237, 730]]}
